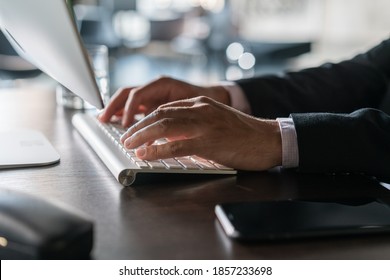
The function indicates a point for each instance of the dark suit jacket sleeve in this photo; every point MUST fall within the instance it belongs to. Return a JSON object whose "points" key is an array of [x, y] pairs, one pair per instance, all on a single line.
{"points": [[335, 133]]}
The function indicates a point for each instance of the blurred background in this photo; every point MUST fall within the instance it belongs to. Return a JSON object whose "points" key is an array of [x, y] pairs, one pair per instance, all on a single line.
{"points": [[205, 41]]}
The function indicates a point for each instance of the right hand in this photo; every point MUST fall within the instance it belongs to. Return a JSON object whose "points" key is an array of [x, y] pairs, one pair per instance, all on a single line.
{"points": [[206, 128], [130, 101]]}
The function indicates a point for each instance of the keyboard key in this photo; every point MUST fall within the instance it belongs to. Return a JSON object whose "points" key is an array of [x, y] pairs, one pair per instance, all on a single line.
{"points": [[142, 164], [135, 159], [156, 164], [222, 167], [204, 164], [172, 163], [188, 163], [131, 153]]}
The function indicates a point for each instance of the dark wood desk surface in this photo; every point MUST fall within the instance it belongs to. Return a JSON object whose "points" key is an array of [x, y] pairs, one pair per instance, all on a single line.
{"points": [[173, 219]]}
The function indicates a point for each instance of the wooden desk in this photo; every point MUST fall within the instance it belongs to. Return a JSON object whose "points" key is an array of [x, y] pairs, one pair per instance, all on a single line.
{"points": [[173, 219]]}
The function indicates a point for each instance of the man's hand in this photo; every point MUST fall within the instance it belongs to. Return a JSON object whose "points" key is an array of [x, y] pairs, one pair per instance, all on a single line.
{"points": [[130, 101], [204, 127]]}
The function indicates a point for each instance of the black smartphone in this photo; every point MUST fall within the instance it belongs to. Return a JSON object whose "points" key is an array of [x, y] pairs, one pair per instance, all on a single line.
{"points": [[301, 219]]}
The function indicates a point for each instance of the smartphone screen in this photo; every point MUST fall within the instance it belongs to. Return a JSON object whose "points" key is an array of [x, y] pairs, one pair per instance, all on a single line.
{"points": [[300, 219]]}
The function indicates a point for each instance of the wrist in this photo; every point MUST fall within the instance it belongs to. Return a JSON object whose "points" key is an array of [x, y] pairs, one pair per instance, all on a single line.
{"points": [[266, 145], [275, 143]]}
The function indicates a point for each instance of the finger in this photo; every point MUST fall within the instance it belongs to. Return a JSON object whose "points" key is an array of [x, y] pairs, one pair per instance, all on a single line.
{"points": [[168, 150], [115, 105], [183, 113], [165, 128], [131, 107], [194, 102], [145, 98], [179, 103], [151, 96]]}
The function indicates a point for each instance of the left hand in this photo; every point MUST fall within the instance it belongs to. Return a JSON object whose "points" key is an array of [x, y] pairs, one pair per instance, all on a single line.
{"points": [[204, 127], [129, 101]]}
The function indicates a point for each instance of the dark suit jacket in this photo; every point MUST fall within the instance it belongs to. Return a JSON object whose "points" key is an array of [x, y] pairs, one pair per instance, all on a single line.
{"points": [[340, 111]]}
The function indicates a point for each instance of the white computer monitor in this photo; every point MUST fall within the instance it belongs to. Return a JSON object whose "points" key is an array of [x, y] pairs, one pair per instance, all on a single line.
{"points": [[44, 33]]}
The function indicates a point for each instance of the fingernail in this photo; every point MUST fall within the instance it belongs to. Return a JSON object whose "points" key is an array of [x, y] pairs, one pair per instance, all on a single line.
{"points": [[127, 143]]}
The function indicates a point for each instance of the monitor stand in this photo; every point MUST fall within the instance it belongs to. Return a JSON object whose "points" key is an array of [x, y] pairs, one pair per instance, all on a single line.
{"points": [[25, 148]]}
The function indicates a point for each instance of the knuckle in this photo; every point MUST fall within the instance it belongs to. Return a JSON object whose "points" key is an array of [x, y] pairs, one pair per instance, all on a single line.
{"points": [[159, 113], [153, 151], [164, 124], [205, 108], [176, 148], [204, 99], [163, 79], [132, 129], [134, 92], [163, 112], [123, 90]]}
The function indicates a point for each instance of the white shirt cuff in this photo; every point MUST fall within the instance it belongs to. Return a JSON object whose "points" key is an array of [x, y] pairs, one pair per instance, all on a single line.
{"points": [[290, 153]]}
